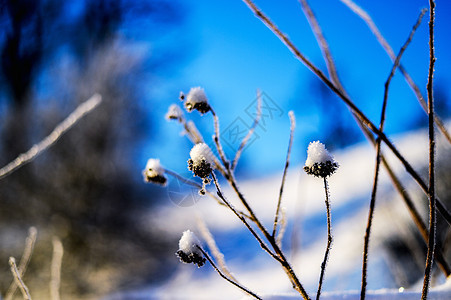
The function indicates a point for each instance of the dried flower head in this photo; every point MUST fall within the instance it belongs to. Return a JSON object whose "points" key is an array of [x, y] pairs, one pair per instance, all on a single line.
{"points": [[202, 160], [196, 99], [319, 162], [174, 113], [189, 249], [154, 172]]}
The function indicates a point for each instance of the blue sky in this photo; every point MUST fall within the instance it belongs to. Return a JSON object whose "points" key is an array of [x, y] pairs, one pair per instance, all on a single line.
{"points": [[232, 54]]}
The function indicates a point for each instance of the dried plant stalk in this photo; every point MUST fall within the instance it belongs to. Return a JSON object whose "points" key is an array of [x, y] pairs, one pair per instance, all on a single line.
{"points": [[55, 269], [18, 279], [59, 130]]}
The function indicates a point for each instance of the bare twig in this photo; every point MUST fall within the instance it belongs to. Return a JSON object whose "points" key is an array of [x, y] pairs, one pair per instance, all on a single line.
{"points": [[55, 269], [369, 21], [250, 133], [356, 111], [285, 169], [209, 239], [244, 289], [218, 144], [329, 240], [192, 132], [378, 157], [242, 219], [30, 241], [432, 203], [18, 278], [59, 130]]}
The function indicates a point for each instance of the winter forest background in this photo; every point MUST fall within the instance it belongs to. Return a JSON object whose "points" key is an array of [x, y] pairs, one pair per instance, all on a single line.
{"points": [[88, 189]]}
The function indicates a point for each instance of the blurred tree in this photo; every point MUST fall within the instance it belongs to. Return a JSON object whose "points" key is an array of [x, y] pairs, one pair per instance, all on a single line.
{"points": [[86, 189]]}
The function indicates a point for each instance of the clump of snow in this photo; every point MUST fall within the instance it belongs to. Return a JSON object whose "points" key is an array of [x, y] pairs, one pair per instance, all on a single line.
{"points": [[189, 251], [320, 162], [154, 172], [202, 160], [197, 99], [174, 113]]}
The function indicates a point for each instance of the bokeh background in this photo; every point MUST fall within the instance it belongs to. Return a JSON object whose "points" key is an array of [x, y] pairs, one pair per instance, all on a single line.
{"points": [[88, 188]]}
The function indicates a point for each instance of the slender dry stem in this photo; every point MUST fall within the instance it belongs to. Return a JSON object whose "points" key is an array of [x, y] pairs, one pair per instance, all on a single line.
{"points": [[210, 240], [18, 278], [356, 111], [375, 30], [55, 269], [329, 240], [285, 169], [241, 287], [59, 130], [30, 241], [216, 139], [432, 203], [250, 132], [378, 157]]}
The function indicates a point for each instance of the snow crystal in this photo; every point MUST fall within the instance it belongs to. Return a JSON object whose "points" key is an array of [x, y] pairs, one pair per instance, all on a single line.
{"points": [[197, 99], [319, 162], [188, 249], [154, 172], [174, 113]]}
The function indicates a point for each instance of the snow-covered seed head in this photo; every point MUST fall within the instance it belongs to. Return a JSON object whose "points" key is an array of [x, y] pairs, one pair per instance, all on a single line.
{"points": [[196, 99], [154, 172], [174, 113], [319, 162], [202, 160], [189, 249]]}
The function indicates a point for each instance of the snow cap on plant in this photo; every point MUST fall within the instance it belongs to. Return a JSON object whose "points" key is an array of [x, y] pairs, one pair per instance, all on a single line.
{"points": [[174, 113], [196, 99], [202, 160], [319, 162], [189, 251], [154, 172]]}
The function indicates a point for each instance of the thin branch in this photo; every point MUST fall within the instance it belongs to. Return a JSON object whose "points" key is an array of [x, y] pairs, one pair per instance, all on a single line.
{"points": [[283, 227], [59, 130], [378, 157], [432, 203], [192, 132], [55, 269], [375, 30], [285, 169], [250, 133], [216, 139], [18, 278], [209, 239], [356, 111], [322, 42], [30, 241], [242, 219], [244, 289], [329, 240]]}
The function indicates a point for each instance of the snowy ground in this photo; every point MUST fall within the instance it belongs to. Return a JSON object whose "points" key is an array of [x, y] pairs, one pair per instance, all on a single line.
{"points": [[305, 238]]}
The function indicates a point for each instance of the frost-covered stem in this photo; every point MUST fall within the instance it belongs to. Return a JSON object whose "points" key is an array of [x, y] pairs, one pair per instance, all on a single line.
{"points": [[24, 260], [192, 132], [18, 278], [242, 219], [432, 204], [250, 132], [55, 270], [356, 111], [209, 239], [322, 42], [375, 30], [278, 255], [329, 240], [48, 141], [285, 169], [218, 142], [244, 289], [378, 157]]}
